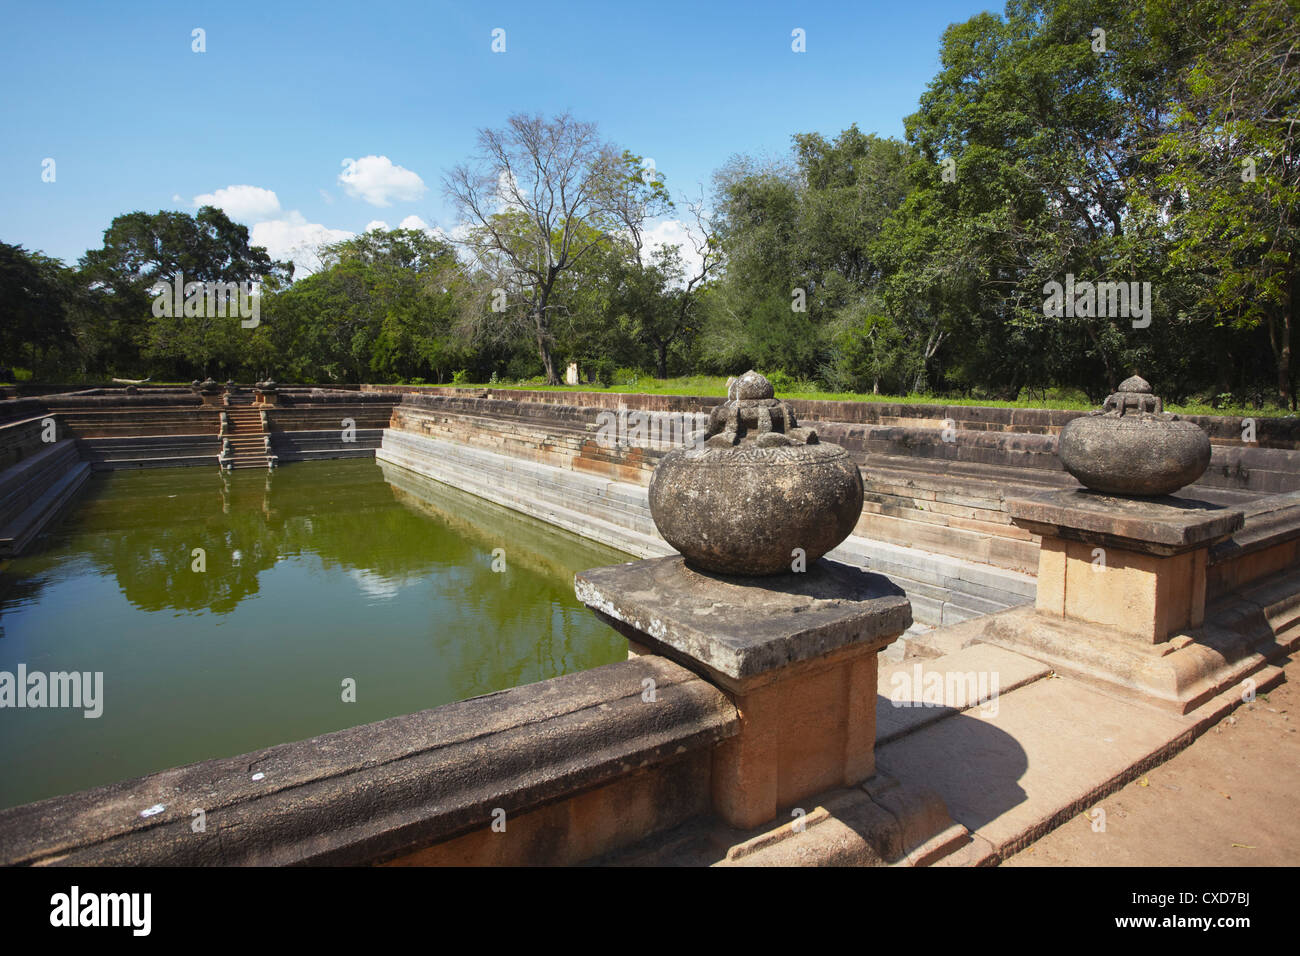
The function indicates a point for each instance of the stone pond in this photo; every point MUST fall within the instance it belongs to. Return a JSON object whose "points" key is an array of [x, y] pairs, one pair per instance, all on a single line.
{"points": [[314, 573], [235, 614]]}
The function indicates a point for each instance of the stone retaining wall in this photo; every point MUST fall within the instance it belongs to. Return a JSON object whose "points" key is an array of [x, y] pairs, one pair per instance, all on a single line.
{"points": [[587, 497], [941, 489], [1222, 429]]}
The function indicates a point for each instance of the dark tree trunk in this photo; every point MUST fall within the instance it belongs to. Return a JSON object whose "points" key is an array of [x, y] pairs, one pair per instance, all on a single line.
{"points": [[544, 346]]}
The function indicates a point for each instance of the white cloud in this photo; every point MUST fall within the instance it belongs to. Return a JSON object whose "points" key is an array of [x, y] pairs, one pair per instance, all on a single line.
{"points": [[293, 237], [672, 232], [507, 192], [410, 222], [242, 203], [374, 585], [379, 181]]}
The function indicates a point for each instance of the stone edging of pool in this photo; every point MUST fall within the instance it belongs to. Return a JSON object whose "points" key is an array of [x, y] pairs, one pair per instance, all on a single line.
{"points": [[570, 767]]}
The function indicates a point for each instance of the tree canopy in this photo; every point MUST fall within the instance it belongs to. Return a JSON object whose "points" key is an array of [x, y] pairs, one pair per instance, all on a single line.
{"points": [[1086, 188]]}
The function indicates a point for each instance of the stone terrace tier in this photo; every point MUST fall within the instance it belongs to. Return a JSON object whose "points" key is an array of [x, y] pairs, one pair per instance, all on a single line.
{"points": [[932, 484]]}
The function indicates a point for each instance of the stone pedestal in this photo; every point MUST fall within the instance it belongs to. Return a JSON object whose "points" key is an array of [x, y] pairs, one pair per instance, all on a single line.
{"points": [[1136, 565], [1122, 598], [263, 396], [796, 653]]}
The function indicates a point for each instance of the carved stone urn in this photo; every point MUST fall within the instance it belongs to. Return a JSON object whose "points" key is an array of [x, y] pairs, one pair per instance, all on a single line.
{"points": [[1132, 448], [752, 489]]}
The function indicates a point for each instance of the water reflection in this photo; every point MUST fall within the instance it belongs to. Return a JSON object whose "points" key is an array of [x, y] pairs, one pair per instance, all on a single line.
{"points": [[314, 572]]}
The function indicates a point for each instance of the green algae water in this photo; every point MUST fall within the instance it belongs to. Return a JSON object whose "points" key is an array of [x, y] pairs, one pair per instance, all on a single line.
{"points": [[226, 613]]}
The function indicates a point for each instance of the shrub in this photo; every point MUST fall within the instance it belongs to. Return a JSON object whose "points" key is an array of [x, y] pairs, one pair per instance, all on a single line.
{"points": [[781, 381]]}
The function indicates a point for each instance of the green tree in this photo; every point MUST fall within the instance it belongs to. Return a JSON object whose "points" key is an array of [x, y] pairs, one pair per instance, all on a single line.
{"points": [[143, 250], [35, 296], [383, 308], [1227, 164], [540, 197]]}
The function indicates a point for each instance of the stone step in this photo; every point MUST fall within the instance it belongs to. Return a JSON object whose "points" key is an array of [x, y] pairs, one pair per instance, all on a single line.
{"points": [[1053, 748], [553, 492], [18, 532], [581, 523], [984, 580], [24, 483], [912, 694], [177, 461], [943, 590], [327, 454]]}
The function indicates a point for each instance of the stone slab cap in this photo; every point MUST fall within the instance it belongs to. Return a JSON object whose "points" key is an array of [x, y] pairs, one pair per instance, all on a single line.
{"points": [[745, 628], [1162, 526]]}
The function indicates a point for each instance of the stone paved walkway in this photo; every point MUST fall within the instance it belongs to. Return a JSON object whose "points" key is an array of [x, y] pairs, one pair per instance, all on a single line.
{"points": [[1227, 800]]}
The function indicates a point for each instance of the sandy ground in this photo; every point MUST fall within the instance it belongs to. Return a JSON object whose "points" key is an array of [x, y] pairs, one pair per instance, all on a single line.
{"points": [[1227, 800]]}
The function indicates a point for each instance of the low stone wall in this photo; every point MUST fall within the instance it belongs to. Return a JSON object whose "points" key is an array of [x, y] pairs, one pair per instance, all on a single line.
{"points": [[23, 437], [562, 436], [1267, 543], [558, 771], [1222, 429]]}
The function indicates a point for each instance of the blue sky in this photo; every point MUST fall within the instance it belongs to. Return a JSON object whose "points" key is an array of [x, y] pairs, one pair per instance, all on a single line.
{"points": [[285, 92]]}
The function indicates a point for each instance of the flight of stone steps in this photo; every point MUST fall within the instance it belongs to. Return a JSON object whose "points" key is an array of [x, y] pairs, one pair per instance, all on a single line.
{"points": [[244, 442]]}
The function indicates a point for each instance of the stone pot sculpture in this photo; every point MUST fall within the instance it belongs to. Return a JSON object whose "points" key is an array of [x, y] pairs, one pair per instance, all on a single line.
{"points": [[1132, 448], [753, 487]]}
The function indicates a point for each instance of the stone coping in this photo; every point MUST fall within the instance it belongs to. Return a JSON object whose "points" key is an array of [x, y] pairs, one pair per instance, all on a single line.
{"points": [[381, 790], [1268, 522], [745, 628], [1168, 525]]}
